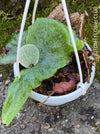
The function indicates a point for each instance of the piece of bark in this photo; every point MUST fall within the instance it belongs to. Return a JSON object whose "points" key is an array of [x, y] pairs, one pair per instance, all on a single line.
{"points": [[63, 87], [87, 65], [74, 77], [81, 26], [75, 18]]}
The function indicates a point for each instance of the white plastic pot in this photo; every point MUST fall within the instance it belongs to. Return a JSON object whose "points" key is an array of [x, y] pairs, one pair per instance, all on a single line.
{"points": [[59, 100]]}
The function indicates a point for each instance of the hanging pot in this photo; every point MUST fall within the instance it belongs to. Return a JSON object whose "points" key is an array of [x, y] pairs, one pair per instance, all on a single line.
{"points": [[81, 87], [62, 99]]}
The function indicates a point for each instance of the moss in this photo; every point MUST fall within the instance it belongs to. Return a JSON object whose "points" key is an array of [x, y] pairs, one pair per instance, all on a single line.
{"points": [[6, 71], [45, 9], [97, 75], [80, 6], [11, 17], [6, 31]]}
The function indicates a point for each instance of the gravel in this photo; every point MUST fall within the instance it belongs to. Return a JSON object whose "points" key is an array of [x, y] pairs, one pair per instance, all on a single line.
{"points": [[81, 116]]}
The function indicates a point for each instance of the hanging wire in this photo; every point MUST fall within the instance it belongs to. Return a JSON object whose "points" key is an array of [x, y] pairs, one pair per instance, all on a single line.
{"points": [[73, 40], [34, 10], [21, 33]]}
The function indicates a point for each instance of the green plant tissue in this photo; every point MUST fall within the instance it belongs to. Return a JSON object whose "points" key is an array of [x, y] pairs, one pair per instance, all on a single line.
{"points": [[53, 40]]}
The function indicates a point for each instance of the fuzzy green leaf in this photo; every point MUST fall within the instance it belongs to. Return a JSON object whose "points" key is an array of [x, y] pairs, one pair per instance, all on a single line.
{"points": [[17, 95], [53, 40], [28, 55]]}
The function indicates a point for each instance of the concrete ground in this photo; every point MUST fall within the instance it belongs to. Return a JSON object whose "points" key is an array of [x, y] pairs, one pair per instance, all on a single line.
{"points": [[81, 116]]}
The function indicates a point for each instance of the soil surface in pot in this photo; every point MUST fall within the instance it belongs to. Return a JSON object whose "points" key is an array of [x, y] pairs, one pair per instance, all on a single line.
{"points": [[69, 73]]}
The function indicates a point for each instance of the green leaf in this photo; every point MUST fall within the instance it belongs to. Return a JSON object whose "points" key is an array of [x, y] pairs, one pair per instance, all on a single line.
{"points": [[50, 33], [18, 93], [10, 57], [53, 40], [28, 55]]}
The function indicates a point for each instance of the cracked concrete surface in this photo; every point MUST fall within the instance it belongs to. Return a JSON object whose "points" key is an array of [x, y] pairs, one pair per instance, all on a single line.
{"points": [[81, 116]]}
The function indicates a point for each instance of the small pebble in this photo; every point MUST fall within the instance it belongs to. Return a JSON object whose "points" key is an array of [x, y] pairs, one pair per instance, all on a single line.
{"points": [[58, 116], [57, 108], [32, 119], [37, 127], [1, 83], [63, 124], [51, 113], [97, 123], [18, 115], [66, 120], [50, 130], [0, 122], [47, 126], [92, 117], [7, 82], [23, 126], [93, 128], [0, 75], [78, 126], [60, 132], [83, 117]]}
